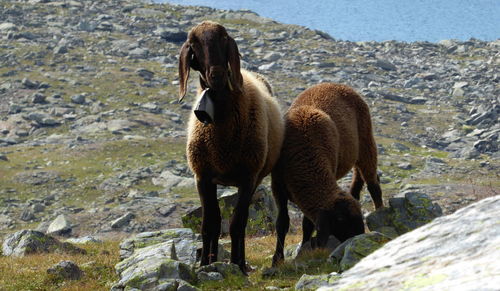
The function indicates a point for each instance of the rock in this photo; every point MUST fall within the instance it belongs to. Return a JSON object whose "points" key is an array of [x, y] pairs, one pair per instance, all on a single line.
{"points": [[151, 265], [38, 98], [78, 99], [7, 26], [26, 242], [262, 213], [400, 147], [84, 240], [385, 65], [218, 271], [119, 125], [122, 220], [29, 84], [27, 214], [170, 34], [184, 241], [3, 157], [296, 250], [169, 180], [66, 270], [144, 73], [313, 282], [405, 166], [268, 67], [354, 249], [60, 226], [455, 251], [404, 214]]}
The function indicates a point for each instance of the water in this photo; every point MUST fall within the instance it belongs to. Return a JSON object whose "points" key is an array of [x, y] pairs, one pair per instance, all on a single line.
{"points": [[379, 20]]}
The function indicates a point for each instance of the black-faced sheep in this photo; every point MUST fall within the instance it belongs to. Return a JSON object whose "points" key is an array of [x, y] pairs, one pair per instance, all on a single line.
{"points": [[241, 144], [328, 131]]}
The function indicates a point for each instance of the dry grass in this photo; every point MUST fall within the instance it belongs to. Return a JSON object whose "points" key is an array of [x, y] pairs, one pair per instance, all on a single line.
{"points": [[30, 272]]}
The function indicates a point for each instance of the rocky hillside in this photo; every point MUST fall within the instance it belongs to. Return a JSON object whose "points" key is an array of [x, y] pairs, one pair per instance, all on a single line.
{"points": [[91, 131]]}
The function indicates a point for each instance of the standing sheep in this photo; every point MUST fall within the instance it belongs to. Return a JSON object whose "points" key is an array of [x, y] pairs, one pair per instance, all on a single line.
{"points": [[239, 145], [328, 131]]}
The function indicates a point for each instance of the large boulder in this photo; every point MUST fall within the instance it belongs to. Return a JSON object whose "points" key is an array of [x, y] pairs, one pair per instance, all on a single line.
{"points": [[26, 242], [261, 218], [65, 270], [403, 214], [156, 258], [354, 249], [458, 251]]}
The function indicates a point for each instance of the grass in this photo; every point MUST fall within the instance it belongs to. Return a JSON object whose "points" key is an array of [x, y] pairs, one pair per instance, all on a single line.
{"points": [[30, 272], [83, 166]]}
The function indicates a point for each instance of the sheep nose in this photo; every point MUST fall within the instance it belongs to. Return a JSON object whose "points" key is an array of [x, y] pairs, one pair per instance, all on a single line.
{"points": [[216, 72], [216, 77]]}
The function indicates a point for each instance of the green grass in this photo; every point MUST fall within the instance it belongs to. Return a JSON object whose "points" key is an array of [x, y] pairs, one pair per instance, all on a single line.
{"points": [[30, 272], [82, 166]]}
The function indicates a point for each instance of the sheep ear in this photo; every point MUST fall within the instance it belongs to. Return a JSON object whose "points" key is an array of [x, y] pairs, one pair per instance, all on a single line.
{"points": [[234, 65], [184, 59]]}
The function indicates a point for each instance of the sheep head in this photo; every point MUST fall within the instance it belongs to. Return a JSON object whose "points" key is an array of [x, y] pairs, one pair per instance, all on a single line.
{"points": [[343, 220], [212, 52]]}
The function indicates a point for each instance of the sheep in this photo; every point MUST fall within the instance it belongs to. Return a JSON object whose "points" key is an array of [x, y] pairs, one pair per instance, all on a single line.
{"points": [[240, 146], [328, 132]]}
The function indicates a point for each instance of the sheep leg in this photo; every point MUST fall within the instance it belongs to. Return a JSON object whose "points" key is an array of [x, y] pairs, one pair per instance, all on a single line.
{"points": [[283, 220], [282, 226], [307, 230], [239, 223], [356, 184], [323, 228], [372, 180], [211, 220], [376, 193]]}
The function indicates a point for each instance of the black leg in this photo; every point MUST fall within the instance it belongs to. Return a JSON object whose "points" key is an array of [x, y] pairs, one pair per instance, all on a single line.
{"points": [[282, 226], [307, 229], [376, 193], [323, 228], [239, 223], [283, 220], [356, 184], [211, 220]]}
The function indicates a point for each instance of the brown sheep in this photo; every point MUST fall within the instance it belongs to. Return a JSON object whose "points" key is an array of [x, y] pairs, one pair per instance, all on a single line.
{"points": [[328, 131], [242, 143]]}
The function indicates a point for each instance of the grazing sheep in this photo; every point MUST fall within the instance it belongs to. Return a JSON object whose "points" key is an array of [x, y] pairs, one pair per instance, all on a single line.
{"points": [[328, 131], [241, 144]]}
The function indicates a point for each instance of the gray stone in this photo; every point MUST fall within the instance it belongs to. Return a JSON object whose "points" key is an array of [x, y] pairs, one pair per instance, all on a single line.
{"points": [[122, 220], [454, 252], [183, 238], [27, 215], [26, 242], [144, 73], [404, 214], [66, 270], [169, 180], [354, 249], [29, 84], [7, 26], [38, 98], [3, 157], [313, 282], [262, 213], [268, 67], [218, 271], [84, 240], [60, 226], [170, 34], [119, 125], [78, 99], [385, 65]]}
